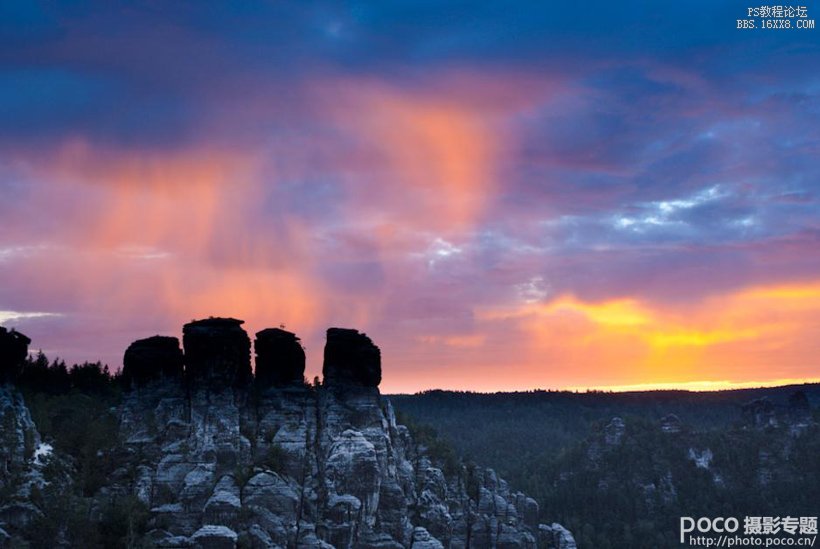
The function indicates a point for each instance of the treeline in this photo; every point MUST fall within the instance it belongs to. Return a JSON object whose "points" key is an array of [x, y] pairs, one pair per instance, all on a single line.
{"points": [[39, 375], [72, 408], [513, 431]]}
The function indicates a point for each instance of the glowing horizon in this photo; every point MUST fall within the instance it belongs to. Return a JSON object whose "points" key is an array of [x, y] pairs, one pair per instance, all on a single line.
{"points": [[692, 386]]}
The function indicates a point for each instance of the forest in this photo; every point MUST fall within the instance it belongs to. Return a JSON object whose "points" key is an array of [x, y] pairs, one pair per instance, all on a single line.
{"points": [[619, 469]]}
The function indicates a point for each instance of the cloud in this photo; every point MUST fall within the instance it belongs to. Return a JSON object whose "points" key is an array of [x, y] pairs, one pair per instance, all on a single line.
{"points": [[754, 333], [482, 189], [16, 316]]}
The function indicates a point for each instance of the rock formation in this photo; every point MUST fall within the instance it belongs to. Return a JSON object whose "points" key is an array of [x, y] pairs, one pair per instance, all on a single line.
{"points": [[301, 466], [13, 351], [22, 457], [280, 358], [19, 435], [351, 358], [218, 464], [157, 357], [217, 352]]}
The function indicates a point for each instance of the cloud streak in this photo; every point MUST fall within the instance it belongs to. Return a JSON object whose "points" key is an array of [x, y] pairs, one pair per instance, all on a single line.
{"points": [[501, 202]]}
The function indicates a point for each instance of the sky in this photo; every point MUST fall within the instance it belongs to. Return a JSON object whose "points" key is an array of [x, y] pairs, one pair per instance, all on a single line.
{"points": [[503, 195]]}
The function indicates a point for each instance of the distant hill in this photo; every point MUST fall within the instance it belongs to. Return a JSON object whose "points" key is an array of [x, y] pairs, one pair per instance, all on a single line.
{"points": [[619, 469], [522, 426]]}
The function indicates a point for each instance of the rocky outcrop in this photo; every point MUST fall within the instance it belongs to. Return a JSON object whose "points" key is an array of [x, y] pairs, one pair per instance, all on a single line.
{"points": [[154, 358], [217, 352], [219, 463], [351, 358], [280, 358], [290, 465], [22, 452], [20, 438], [13, 351], [309, 467]]}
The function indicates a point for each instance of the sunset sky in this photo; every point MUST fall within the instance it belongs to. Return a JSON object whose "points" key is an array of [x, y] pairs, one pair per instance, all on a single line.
{"points": [[503, 195]]}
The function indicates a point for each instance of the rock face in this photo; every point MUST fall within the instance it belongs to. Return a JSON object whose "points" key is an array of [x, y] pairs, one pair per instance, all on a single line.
{"points": [[157, 357], [20, 438], [351, 358], [289, 465], [217, 352], [280, 358], [13, 351], [308, 467], [22, 457]]}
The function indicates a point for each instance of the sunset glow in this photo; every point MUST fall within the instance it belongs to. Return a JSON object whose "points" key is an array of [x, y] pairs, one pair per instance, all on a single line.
{"points": [[531, 215]]}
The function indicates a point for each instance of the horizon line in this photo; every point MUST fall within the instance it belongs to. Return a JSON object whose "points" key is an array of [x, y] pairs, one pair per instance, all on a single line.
{"points": [[687, 386]]}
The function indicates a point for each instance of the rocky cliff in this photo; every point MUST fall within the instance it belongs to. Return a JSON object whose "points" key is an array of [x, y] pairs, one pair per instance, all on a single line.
{"points": [[219, 459]]}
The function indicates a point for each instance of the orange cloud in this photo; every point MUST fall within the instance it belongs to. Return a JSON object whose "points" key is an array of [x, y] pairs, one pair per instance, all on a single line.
{"points": [[429, 159], [760, 333], [184, 232], [465, 341], [171, 236], [158, 200]]}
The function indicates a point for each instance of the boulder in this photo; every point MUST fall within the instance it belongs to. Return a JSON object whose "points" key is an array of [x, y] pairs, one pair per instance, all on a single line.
{"points": [[280, 358], [351, 358], [157, 357], [217, 351], [13, 351]]}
